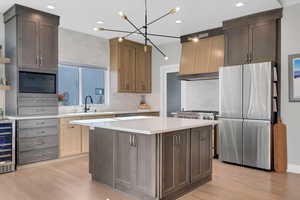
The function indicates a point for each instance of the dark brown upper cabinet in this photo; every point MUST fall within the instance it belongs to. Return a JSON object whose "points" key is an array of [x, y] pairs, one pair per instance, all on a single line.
{"points": [[253, 38], [236, 45], [35, 36]]}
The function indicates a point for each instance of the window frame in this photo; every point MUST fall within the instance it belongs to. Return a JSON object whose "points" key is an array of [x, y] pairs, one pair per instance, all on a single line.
{"points": [[80, 67]]}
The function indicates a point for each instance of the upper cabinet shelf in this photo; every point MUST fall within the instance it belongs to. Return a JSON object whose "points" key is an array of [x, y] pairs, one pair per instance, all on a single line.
{"points": [[4, 60]]}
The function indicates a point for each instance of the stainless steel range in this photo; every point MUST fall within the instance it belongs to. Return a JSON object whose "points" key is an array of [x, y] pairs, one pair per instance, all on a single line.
{"points": [[203, 115], [195, 114]]}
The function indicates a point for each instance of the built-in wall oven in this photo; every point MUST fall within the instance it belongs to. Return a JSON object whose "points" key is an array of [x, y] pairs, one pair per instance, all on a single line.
{"points": [[37, 94], [35, 82]]}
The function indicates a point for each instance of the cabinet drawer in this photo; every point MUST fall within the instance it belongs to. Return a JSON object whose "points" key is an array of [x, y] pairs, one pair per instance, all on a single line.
{"points": [[27, 101], [28, 111], [38, 155], [27, 144], [36, 123], [37, 132]]}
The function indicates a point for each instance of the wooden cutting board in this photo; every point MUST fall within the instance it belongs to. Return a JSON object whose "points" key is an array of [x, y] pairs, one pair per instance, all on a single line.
{"points": [[280, 147]]}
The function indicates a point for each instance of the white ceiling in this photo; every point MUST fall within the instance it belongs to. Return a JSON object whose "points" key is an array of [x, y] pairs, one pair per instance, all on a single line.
{"points": [[196, 15]]}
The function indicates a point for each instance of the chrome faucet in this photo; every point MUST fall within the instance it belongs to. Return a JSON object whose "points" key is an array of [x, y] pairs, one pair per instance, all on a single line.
{"points": [[85, 103]]}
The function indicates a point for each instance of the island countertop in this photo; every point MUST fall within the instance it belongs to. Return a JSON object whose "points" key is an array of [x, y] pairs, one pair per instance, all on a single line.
{"points": [[144, 124]]}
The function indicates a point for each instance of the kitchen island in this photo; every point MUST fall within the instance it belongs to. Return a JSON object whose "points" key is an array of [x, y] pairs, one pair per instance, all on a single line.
{"points": [[150, 157]]}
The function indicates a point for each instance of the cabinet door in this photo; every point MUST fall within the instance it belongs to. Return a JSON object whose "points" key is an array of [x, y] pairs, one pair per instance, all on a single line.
{"points": [[237, 45], [48, 46], [216, 57], [143, 70], [187, 61], [28, 43], [263, 42], [181, 159], [175, 161], [168, 163], [127, 68], [201, 161], [202, 55], [70, 140], [124, 162], [144, 178]]}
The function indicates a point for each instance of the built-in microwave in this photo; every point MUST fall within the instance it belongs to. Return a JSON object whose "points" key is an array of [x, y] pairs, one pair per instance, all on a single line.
{"points": [[35, 82]]}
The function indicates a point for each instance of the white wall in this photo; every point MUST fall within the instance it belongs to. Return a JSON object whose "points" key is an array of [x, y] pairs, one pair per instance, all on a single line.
{"points": [[2, 94], [80, 48], [290, 111], [173, 51]]}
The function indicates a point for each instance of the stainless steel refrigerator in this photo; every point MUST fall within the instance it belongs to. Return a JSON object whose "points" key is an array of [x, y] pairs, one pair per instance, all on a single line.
{"points": [[246, 98]]}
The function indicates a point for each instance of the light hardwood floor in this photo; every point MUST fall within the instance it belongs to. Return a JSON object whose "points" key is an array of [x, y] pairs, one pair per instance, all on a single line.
{"points": [[69, 180]]}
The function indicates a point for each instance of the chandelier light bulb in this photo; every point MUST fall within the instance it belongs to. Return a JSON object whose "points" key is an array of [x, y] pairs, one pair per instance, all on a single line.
{"points": [[120, 39], [174, 10]]}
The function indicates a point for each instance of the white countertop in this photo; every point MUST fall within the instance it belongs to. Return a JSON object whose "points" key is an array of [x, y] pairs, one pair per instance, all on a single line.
{"points": [[144, 124], [81, 114]]}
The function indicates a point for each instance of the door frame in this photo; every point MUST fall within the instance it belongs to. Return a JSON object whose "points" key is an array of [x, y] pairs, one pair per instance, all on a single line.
{"points": [[164, 70]]}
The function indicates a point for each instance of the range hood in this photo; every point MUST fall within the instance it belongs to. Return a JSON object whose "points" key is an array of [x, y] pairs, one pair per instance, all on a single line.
{"points": [[198, 77]]}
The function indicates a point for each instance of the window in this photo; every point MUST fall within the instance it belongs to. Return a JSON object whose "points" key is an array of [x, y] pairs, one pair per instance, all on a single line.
{"points": [[77, 82]]}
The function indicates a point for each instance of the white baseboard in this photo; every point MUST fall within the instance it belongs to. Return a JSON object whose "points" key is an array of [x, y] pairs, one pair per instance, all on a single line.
{"points": [[293, 168]]}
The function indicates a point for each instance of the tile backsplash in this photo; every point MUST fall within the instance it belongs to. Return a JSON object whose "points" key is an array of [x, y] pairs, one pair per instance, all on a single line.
{"points": [[200, 95]]}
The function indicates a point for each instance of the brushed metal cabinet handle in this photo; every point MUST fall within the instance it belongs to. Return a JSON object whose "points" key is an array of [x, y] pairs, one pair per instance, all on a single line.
{"points": [[130, 140]]}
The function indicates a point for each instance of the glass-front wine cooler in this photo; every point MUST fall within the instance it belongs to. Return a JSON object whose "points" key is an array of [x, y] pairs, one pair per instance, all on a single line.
{"points": [[7, 146]]}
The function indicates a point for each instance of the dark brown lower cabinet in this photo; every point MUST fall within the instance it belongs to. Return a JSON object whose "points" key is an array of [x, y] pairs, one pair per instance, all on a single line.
{"points": [[201, 158], [175, 161], [151, 167]]}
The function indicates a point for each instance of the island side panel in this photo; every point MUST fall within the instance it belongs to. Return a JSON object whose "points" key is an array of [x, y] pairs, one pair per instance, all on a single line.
{"points": [[136, 164], [102, 159]]}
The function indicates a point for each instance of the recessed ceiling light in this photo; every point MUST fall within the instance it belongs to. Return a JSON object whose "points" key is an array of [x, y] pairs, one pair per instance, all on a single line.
{"points": [[100, 22], [51, 7], [239, 4], [178, 21]]}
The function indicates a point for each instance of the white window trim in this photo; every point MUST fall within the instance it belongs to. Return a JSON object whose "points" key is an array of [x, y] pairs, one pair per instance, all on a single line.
{"points": [[80, 102]]}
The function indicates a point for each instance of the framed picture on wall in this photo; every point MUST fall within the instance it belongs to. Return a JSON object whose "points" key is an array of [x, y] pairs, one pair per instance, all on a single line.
{"points": [[294, 78]]}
